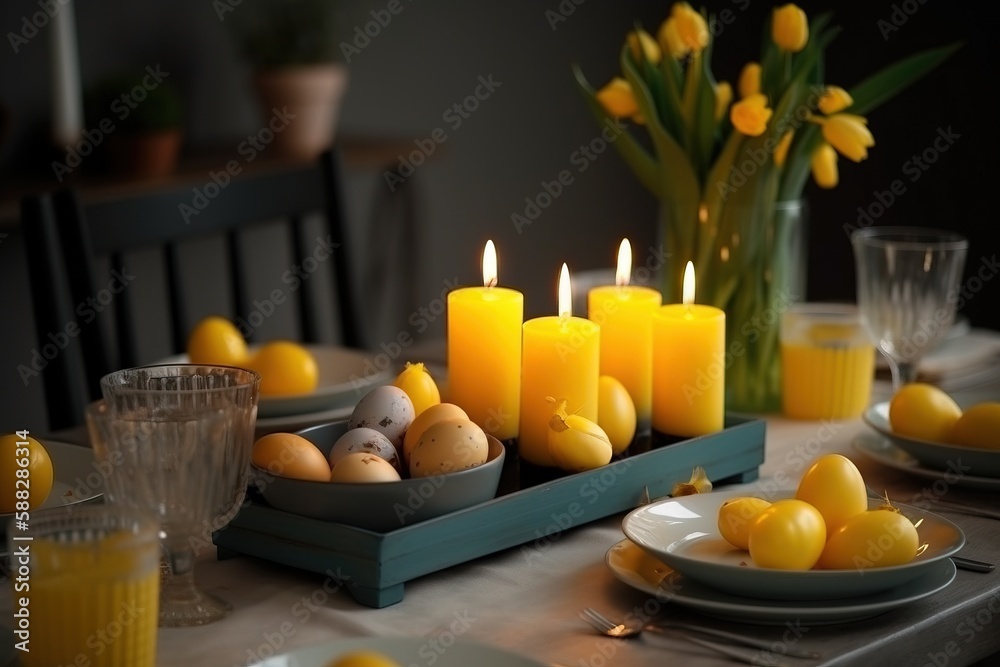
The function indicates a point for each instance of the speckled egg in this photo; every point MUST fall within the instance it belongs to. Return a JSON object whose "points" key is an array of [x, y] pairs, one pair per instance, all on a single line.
{"points": [[365, 440], [449, 446], [386, 409]]}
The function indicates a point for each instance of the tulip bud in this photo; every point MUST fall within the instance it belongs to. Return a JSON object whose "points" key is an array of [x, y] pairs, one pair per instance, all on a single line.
{"points": [[790, 28], [643, 46], [723, 97], [691, 26], [849, 134], [750, 115], [617, 98], [670, 40], [749, 82], [834, 99], [824, 166]]}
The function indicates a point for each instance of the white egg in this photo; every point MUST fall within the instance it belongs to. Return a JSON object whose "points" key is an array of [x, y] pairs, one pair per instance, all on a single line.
{"points": [[367, 441], [361, 467], [386, 409]]}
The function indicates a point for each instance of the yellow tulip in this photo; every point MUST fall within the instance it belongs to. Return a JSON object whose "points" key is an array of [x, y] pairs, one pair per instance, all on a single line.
{"points": [[790, 28], [617, 98], [781, 150], [849, 134], [750, 115], [642, 45], [749, 83], [723, 96], [670, 39], [824, 166], [691, 26], [834, 99]]}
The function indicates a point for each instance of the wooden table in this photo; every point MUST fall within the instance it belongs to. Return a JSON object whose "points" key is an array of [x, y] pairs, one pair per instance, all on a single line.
{"points": [[527, 598]]}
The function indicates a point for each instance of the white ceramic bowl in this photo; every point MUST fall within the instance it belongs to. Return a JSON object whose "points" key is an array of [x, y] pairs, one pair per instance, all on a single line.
{"points": [[683, 533], [973, 461], [380, 506]]}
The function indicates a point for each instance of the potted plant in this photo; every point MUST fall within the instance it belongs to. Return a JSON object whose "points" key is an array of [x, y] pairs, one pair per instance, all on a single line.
{"points": [[292, 47], [141, 117]]}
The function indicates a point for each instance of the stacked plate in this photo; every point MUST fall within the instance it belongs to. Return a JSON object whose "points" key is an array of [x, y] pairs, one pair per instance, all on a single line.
{"points": [[345, 375], [675, 552], [958, 466]]}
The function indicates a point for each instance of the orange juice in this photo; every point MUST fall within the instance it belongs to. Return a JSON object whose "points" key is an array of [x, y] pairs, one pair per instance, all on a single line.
{"points": [[826, 382], [827, 363], [93, 601]]}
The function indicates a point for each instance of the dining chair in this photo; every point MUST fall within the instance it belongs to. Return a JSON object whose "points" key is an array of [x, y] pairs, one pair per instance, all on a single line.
{"points": [[87, 258]]}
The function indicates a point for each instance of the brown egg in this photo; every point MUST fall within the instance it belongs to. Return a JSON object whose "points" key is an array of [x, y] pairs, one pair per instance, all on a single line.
{"points": [[426, 419], [362, 467], [290, 455]]}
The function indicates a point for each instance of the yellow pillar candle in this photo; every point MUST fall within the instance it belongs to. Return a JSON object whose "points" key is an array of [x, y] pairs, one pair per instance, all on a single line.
{"points": [[561, 361], [624, 313], [484, 351], [689, 346]]}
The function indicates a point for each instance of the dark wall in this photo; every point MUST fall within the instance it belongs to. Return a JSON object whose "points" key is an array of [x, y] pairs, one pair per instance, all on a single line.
{"points": [[432, 54]]}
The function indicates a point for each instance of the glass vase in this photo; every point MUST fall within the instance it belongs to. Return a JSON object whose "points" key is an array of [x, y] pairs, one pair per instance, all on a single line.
{"points": [[750, 261]]}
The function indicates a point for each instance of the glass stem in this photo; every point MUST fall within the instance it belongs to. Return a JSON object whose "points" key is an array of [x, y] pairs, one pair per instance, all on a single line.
{"points": [[178, 584], [903, 372]]}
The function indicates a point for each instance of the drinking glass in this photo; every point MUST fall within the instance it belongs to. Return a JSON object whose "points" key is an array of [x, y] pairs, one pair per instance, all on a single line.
{"points": [[178, 438], [907, 285], [90, 579]]}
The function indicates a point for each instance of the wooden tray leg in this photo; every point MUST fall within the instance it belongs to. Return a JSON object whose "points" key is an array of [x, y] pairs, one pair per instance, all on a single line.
{"points": [[376, 597]]}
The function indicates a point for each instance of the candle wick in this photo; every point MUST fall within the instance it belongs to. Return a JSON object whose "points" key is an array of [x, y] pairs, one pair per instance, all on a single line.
{"points": [[492, 282]]}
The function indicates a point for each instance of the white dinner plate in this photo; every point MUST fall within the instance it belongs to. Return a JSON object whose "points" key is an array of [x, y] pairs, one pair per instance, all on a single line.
{"points": [[77, 477], [345, 375], [883, 451], [406, 650], [683, 533], [980, 462], [642, 571]]}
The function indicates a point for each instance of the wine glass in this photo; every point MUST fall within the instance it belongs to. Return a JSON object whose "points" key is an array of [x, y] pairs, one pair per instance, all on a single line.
{"points": [[178, 438], [907, 285]]}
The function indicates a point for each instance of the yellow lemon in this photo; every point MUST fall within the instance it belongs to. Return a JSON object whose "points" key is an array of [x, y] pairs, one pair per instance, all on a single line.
{"points": [[923, 411], [615, 412], [285, 368], [735, 518], [25, 469], [215, 340], [418, 384], [979, 426]]}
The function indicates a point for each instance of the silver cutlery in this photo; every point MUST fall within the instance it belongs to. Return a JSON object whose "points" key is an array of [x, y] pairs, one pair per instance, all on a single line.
{"points": [[634, 629]]}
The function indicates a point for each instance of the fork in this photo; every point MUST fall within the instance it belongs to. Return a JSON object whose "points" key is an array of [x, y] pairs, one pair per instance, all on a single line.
{"points": [[622, 631]]}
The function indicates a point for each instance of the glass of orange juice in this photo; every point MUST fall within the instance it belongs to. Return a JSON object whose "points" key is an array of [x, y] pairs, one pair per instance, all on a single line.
{"points": [[86, 581], [827, 362]]}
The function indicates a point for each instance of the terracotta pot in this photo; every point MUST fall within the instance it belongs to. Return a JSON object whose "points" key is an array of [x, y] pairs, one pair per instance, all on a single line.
{"points": [[144, 154], [301, 106]]}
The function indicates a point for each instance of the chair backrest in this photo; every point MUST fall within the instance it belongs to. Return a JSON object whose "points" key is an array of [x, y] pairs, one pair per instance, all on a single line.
{"points": [[91, 320]]}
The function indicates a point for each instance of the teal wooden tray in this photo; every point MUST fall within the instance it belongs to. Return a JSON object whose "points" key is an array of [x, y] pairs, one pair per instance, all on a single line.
{"points": [[532, 504]]}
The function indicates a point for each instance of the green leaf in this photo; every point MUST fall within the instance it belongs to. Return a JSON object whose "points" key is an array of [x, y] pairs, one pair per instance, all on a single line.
{"points": [[705, 124], [888, 82], [638, 158], [671, 156]]}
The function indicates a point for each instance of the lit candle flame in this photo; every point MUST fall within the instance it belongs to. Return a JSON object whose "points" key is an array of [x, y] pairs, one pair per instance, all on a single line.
{"points": [[490, 264], [688, 289], [565, 294], [624, 263]]}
